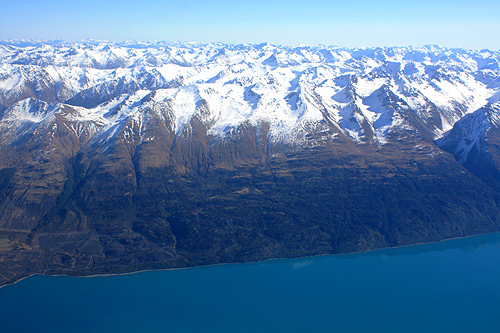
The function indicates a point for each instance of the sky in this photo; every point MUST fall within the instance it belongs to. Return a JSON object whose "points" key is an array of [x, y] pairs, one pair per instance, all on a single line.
{"points": [[363, 23]]}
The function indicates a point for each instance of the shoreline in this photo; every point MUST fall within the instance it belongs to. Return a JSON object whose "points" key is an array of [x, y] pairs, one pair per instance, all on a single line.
{"points": [[248, 262]]}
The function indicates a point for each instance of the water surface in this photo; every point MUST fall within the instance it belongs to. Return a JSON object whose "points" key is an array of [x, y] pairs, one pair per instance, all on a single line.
{"points": [[452, 286]]}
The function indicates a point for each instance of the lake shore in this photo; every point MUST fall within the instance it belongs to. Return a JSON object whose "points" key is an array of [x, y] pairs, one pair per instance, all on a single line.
{"points": [[359, 253]]}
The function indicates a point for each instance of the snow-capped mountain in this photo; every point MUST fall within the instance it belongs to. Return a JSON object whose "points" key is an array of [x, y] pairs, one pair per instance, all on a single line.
{"points": [[474, 141], [469, 134], [120, 156], [364, 92]]}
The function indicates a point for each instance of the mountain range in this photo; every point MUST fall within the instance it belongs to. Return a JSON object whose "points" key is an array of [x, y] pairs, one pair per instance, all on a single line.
{"points": [[118, 157]]}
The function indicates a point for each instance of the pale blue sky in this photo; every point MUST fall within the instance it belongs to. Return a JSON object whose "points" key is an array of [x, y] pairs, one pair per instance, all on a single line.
{"points": [[469, 24]]}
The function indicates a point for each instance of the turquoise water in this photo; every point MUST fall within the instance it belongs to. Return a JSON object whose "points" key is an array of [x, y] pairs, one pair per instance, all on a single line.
{"points": [[452, 286]]}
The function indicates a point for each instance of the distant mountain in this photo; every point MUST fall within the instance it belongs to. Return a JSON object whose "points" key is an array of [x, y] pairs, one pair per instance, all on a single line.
{"points": [[117, 157]]}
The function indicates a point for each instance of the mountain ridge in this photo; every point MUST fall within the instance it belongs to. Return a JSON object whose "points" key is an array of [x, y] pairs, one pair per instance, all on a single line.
{"points": [[118, 158]]}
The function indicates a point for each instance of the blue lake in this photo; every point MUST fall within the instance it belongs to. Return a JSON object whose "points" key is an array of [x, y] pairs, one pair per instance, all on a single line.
{"points": [[453, 286]]}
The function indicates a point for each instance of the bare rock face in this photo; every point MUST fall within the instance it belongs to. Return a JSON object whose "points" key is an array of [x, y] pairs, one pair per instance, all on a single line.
{"points": [[174, 155]]}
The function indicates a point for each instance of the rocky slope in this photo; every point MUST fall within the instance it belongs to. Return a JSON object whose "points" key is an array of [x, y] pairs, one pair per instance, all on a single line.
{"points": [[126, 156]]}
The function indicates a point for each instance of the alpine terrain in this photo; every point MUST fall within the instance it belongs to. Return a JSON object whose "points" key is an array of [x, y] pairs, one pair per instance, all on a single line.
{"points": [[117, 157]]}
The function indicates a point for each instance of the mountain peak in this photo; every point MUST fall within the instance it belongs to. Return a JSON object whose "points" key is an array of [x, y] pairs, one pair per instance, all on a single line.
{"points": [[133, 155]]}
